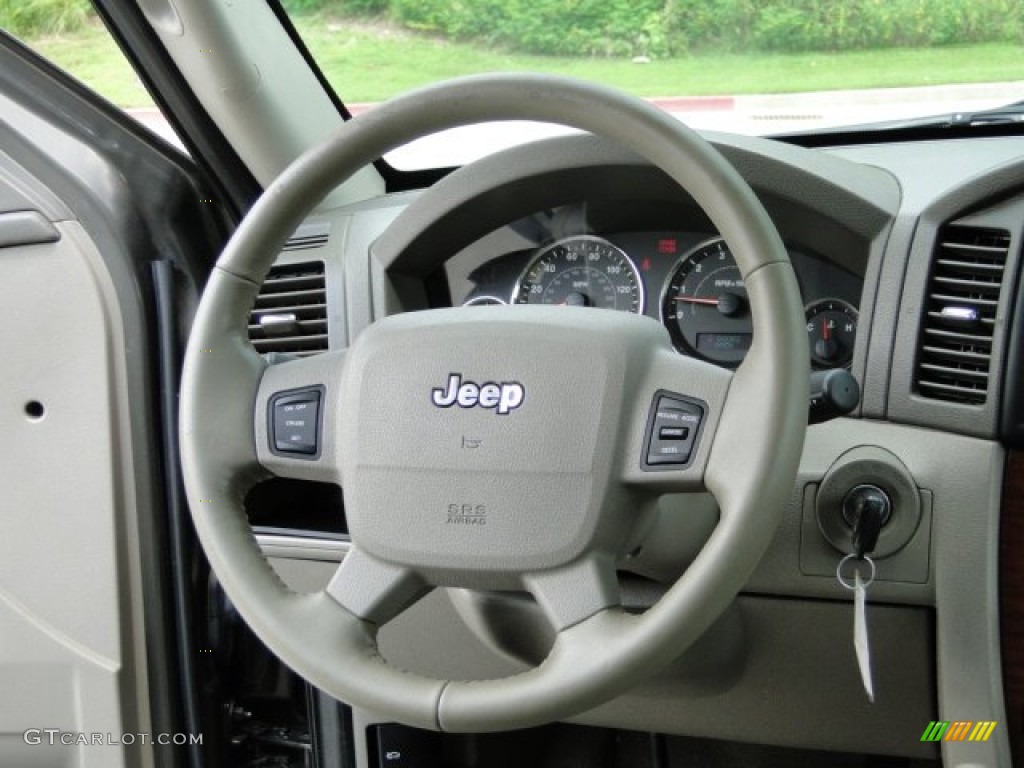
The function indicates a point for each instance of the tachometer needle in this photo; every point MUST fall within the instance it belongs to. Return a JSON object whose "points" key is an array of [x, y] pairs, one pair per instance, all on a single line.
{"points": [[698, 300]]}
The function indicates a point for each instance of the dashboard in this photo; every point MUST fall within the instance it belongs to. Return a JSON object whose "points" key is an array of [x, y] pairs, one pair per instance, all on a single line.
{"points": [[909, 276], [687, 279]]}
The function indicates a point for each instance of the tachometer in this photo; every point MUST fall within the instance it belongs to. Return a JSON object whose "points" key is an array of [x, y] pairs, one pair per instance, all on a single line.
{"points": [[582, 271], [704, 305]]}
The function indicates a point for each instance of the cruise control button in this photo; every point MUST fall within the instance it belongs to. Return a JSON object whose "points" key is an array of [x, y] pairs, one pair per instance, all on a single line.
{"points": [[294, 420], [667, 455], [672, 433]]}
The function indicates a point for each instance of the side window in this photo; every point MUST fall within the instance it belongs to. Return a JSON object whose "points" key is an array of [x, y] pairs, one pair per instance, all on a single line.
{"points": [[70, 34]]}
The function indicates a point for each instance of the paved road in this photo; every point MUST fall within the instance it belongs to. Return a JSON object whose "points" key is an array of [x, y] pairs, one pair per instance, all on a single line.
{"points": [[751, 115]]}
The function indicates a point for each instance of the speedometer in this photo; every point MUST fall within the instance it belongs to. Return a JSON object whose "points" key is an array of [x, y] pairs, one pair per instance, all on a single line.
{"points": [[582, 271], [704, 305]]}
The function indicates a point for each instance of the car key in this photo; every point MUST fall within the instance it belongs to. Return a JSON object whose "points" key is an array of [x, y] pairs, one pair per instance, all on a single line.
{"points": [[867, 508], [860, 634], [861, 644]]}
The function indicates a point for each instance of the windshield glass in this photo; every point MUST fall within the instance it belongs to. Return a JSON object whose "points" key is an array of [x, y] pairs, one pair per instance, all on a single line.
{"points": [[749, 66], [759, 67]]}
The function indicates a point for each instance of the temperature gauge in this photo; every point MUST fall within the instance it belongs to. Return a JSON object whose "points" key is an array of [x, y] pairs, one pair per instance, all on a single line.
{"points": [[831, 331]]}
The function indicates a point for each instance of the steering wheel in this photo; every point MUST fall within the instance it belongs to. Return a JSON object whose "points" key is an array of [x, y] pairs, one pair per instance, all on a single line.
{"points": [[497, 448]]}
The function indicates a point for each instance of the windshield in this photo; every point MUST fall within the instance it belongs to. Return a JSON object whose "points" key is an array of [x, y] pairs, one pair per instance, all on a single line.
{"points": [[757, 67]]}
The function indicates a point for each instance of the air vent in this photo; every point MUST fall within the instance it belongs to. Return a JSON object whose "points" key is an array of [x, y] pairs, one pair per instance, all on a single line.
{"points": [[955, 347], [312, 234], [291, 311]]}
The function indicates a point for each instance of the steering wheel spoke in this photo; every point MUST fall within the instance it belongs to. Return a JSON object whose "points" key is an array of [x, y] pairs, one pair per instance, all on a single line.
{"points": [[374, 590], [295, 418], [574, 593]]}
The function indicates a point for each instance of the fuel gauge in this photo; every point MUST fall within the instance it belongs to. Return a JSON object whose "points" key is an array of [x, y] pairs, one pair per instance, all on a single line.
{"points": [[831, 331]]}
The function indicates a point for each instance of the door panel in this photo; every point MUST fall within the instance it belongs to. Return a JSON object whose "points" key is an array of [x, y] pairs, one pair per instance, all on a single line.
{"points": [[64, 466], [90, 651]]}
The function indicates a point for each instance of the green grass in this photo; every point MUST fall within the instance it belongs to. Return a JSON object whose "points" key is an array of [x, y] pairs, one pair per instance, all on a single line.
{"points": [[367, 64], [92, 56], [37, 17], [371, 62]]}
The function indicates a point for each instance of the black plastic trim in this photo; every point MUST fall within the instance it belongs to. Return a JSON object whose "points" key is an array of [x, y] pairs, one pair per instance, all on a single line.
{"points": [[183, 545], [333, 739], [854, 136], [1011, 421]]}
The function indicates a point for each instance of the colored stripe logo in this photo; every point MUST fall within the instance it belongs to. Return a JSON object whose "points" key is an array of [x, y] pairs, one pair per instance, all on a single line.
{"points": [[958, 730]]}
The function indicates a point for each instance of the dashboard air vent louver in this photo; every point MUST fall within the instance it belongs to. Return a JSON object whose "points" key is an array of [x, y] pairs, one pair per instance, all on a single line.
{"points": [[955, 346], [291, 310]]}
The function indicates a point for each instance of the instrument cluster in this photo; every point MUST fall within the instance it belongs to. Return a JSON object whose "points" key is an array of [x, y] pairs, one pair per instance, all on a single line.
{"points": [[686, 279]]}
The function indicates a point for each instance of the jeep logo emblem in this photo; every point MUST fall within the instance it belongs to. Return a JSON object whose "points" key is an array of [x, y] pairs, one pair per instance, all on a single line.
{"points": [[503, 398]]}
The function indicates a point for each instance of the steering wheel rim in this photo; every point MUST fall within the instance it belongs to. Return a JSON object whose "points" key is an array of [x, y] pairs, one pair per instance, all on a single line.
{"points": [[226, 385]]}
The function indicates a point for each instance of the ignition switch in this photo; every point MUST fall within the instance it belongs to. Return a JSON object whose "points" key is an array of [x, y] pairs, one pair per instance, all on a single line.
{"points": [[866, 509], [868, 503]]}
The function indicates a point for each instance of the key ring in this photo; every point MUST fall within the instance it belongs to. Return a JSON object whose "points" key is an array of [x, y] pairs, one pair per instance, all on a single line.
{"points": [[847, 584]]}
